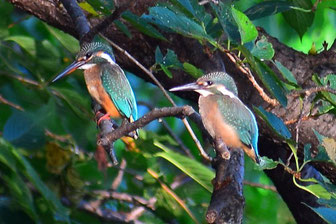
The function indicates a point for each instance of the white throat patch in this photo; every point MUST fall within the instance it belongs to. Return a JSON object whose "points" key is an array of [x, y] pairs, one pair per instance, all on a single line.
{"points": [[86, 66], [204, 92], [225, 91]]}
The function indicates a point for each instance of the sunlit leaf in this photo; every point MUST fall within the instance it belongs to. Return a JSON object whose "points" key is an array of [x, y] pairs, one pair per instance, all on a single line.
{"points": [[87, 7], [300, 21], [26, 42], [274, 122], [248, 31], [192, 70], [104, 6], [267, 8], [68, 41], [197, 171]]}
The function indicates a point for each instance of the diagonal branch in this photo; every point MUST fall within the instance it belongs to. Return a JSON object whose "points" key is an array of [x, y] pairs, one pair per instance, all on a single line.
{"points": [[124, 129]]}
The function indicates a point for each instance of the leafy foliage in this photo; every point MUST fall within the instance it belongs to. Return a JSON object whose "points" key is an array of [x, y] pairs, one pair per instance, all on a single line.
{"points": [[47, 147]]}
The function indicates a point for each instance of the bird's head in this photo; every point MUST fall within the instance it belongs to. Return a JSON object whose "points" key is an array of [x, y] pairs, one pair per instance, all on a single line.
{"points": [[210, 84], [89, 55]]}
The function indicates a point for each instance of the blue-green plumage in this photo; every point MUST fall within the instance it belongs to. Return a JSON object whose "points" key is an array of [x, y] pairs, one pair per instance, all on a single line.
{"points": [[117, 86], [105, 80], [223, 114]]}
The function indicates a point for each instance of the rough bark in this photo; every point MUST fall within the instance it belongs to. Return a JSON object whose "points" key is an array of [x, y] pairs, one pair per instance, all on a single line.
{"points": [[302, 66]]}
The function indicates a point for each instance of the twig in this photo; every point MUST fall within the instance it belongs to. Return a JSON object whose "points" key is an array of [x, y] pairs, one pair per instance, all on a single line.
{"points": [[266, 187], [172, 193], [4, 101], [243, 68], [135, 213], [117, 181], [104, 214], [21, 79], [184, 120], [313, 90], [169, 130], [107, 21], [149, 204]]}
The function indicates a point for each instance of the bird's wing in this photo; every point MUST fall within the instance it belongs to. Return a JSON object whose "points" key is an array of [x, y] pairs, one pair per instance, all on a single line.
{"points": [[119, 89], [241, 118]]}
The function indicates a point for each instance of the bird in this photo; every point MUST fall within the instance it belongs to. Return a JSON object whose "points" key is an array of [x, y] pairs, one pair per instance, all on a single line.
{"points": [[223, 114], [106, 81]]}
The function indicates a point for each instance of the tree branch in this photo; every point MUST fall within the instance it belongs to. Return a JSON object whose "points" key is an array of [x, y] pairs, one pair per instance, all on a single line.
{"points": [[123, 130]]}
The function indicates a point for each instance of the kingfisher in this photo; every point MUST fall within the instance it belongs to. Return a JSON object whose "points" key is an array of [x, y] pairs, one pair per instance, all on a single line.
{"points": [[223, 114], [105, 81]]}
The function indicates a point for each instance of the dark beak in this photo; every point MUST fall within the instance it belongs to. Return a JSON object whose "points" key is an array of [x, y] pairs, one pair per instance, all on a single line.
{"points": [[72, 67], [186, 87]]}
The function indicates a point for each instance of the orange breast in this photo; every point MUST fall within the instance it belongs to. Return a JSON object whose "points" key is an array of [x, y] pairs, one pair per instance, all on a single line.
{"points": [[97, 91]]}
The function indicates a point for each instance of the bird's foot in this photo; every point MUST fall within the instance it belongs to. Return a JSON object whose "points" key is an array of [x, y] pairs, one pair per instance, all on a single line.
{"points": [[104, 117]]}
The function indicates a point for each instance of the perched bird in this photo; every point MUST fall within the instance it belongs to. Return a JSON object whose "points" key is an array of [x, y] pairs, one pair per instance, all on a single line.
{"points": [[223, 114], [105, 81]]}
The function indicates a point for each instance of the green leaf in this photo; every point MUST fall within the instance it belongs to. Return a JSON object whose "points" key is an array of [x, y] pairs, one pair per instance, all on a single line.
{"points": [[87, 7], [226, 19], [16, 185], [267, 163], [300, 21], [288, 75], [142, 25], [27, 43], [263, 49], [327, 148], [165, 69], [68, 41], [48, 195], [181, 24], [267, 8], [328, 214], [274, 122], [158, 56], [24, 129], [247, 30], [196, 170], [75, 101], [267, 76], [122, 27], [171, 60], [102, 6], [192, 70], [307, 153], [318, 191]]}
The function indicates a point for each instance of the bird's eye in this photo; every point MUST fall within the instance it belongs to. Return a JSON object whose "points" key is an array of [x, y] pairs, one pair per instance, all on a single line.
{"points": [[88, 55], [209, 83]]}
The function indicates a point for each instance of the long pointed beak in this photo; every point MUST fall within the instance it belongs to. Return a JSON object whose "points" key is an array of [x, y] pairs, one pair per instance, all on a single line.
{"points": [[186, 87], [72, 67]]}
